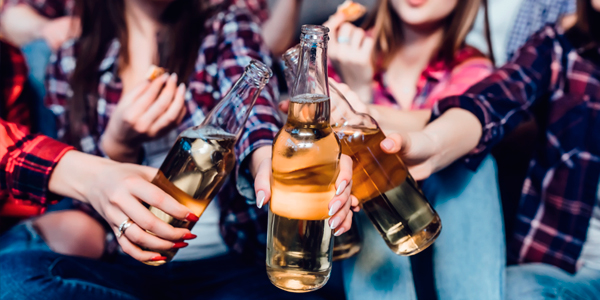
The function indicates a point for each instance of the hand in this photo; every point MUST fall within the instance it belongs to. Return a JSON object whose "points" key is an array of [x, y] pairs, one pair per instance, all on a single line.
{"points": [[418, 151], [116, 191], [350, 49], [339, 207], [143, 114], [59, 30]]}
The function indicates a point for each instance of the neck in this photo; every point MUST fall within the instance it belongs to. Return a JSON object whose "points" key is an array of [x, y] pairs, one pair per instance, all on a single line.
{"points": [[143, 17], [420, 44]]}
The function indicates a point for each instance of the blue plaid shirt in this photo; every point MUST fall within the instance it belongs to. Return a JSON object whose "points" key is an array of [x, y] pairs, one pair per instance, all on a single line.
{"points": [[559, 83]]}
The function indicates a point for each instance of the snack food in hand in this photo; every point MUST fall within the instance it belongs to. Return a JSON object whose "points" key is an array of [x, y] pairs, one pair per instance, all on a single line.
{"points": [[351, 10], [154, 72]]}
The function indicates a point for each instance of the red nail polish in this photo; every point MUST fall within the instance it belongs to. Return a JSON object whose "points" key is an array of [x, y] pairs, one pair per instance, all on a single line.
{"points": [[189, 236], [158, 258], [179, 245], [191, 217]]}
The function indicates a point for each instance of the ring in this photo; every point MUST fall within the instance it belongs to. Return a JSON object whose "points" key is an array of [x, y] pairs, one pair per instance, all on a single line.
{"points": [[124, 227], [343, 39]]}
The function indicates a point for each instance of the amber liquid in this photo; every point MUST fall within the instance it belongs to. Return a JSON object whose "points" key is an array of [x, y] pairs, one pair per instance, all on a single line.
{"points": [[349, 243], [193, 173], [305, 165], [387, 193]]}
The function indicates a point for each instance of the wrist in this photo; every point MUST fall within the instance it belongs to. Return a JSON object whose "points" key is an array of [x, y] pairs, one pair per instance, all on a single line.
{"points": [[119, 151], [71, 180]]}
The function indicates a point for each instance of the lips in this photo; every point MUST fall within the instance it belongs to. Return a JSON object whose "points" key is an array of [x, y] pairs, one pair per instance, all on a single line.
{"points": [[416, 3]]}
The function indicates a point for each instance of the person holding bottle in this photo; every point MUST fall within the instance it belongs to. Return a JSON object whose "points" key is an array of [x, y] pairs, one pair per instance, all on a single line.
{"points": [[104, 105], [409, 55], [553, 78]]}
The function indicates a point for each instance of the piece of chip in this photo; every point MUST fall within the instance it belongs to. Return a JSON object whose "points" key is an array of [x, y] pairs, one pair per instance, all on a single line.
{"points": [[351, 10], [154, 72]]}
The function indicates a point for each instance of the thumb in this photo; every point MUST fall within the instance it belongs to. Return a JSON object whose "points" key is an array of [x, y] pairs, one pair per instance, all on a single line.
{"points": [[262, 183], [395, 143]]}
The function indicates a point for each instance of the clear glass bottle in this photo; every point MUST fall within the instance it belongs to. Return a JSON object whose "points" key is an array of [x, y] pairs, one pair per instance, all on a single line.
{"points": [[202, 157], [388, 194], [349, 243], [306, 155]]}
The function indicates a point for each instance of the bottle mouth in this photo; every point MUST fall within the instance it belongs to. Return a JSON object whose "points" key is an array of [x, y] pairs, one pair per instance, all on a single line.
{"points": [[315, 33], [292, 54], [258, 73]]}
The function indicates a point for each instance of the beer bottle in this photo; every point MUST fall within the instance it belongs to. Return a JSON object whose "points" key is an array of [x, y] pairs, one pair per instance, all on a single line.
{"points": [[198, 164], [387, 193], [349, 243], [306, 155]]}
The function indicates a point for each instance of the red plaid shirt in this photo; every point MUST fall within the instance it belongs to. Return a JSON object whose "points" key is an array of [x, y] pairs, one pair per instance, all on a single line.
{"points": [[559, 84], [231, 40], [26, 161]]}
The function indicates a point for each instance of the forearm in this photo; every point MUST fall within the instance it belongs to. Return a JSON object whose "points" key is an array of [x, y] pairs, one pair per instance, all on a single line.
{"points": [[399, 121], [455, 133], [21, 24], [73, 172], [118, 151], [279, 29]]}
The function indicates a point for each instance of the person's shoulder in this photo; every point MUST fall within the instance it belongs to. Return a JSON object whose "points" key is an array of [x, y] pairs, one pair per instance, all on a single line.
{"points": [[469, 57]]}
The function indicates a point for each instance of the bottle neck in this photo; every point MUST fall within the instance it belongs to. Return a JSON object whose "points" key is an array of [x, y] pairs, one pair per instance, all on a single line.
{"points": [[309, 110], [232, 112]]}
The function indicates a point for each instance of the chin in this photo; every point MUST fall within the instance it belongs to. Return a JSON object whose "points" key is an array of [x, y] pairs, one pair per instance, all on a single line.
{"points": [[596, 5]]}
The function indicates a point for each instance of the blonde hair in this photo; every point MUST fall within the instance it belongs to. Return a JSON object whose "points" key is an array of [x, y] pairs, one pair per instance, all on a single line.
{"points": [[387, 30]]}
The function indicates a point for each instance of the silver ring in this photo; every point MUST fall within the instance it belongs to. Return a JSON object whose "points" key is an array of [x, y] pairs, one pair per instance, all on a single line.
{"points": [[343, 39], [124, 227]]}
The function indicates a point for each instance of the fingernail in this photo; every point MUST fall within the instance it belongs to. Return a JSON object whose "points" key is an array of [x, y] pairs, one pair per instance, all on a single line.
{"points": [[387, 144], [341, 188], [179, 245], [335, 207], [333, 224], [340, 231], [189, 236], [261, 199], [165, 76], [173, 77], [181, 88], [158, 258], [191, 217]]}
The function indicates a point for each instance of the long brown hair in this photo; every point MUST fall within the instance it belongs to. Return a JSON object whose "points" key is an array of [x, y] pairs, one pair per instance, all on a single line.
{"points": [[586, 31], [104, 20], [387, 29]]}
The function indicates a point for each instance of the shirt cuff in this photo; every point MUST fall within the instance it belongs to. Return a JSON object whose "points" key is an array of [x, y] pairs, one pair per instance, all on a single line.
{"points": [[33, 168], [244, 180]]}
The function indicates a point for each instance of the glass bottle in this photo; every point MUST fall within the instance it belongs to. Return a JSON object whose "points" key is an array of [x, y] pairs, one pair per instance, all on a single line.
{"points": [[349, 243], [387, 193], [198, 164], [306, 155]]}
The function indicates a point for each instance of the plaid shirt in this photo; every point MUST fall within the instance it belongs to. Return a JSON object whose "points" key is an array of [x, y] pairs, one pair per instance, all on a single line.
{"points": [[533, 15], [560, 85], [13, 74], [437, 81], [232, 39]]}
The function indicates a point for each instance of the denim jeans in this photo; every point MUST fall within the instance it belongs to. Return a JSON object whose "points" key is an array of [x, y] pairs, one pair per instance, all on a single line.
{"points": [[29, 270], [468, 256], [539, 281]]}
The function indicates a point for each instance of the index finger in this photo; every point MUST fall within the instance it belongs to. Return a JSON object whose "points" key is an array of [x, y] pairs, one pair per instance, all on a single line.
{"points": [[345, 175], [333, 23]]}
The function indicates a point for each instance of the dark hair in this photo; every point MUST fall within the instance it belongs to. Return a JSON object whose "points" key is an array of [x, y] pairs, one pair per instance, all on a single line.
{"points": [[586, 31], [387, 31], [104, 20]]}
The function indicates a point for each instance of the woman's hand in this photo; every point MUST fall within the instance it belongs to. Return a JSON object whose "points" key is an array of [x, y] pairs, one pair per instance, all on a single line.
{"points": [[418, 151], [340, 207], [116, 191], [149, 111], [350, 49]]}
